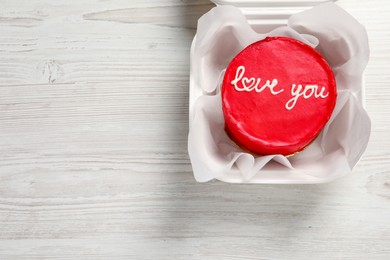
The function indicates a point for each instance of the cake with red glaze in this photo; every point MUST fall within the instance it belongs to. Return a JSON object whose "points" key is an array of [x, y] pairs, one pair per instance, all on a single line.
{"points": [[277, 96]]}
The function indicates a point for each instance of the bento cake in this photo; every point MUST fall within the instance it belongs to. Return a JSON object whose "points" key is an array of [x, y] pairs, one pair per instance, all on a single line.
{"points": [[277, 95]]}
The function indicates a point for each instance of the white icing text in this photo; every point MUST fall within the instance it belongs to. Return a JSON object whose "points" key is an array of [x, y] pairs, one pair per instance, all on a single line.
{"points": [[297, 91], [249, 84]]}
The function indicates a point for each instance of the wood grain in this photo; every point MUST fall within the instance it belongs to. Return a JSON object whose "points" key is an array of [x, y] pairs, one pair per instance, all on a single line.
{"points": [[93, 146]]}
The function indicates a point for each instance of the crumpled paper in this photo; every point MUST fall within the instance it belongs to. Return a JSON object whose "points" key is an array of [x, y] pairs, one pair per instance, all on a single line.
{"points": [[222, 33]]}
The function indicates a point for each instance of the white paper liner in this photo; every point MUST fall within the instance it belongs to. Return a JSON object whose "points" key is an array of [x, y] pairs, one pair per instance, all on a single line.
{"points": [[222, 33]]}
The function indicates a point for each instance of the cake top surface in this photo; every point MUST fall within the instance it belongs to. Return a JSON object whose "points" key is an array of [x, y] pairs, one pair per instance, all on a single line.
{"points": [[277, 95]]}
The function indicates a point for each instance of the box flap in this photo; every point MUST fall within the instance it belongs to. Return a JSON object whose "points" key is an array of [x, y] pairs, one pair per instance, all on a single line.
{"points": [[270, 13]]}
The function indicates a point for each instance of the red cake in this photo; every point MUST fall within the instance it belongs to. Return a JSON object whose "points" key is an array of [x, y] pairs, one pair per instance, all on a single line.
{"points": [[277, 95]]}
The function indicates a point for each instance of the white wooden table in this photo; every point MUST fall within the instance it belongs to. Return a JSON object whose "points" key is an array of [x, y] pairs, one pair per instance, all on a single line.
{"points": [[93, 146]]}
